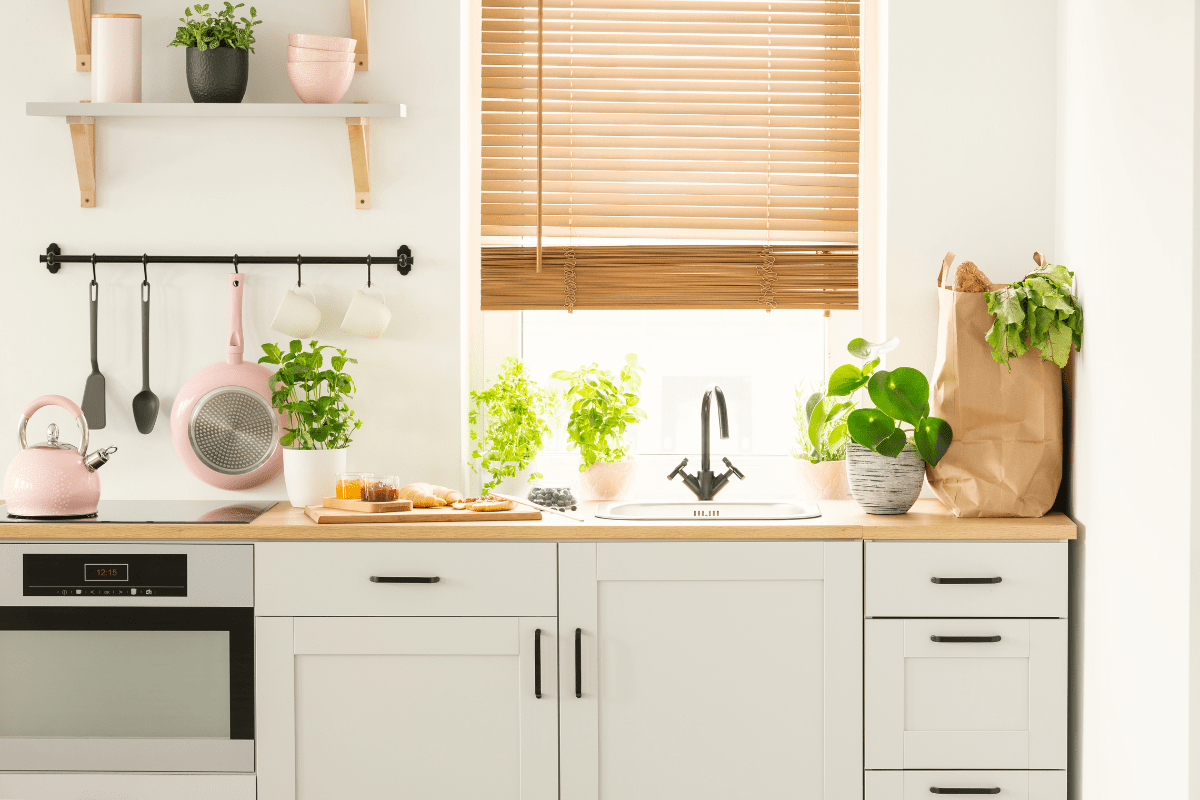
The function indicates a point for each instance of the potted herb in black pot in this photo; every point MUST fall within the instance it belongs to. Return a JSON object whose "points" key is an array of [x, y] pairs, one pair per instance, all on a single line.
{"points": [[218, 52]]}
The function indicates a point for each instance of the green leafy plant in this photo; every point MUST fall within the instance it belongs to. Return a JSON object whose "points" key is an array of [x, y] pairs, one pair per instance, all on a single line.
{"points": [[516, 413], [1039, 312], [207, 30], [900, 396], [312, 397], [820, 426], [602, 407]]}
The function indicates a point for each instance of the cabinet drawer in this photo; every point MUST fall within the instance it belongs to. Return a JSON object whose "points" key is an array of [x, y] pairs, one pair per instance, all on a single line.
{"points": [[480, 579], [126, 786], [965, 693], [1013, 784], [946, 579]]}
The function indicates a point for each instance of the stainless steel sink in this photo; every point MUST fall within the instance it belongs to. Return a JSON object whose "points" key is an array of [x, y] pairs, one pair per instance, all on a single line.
{"points": [[712, 509]]}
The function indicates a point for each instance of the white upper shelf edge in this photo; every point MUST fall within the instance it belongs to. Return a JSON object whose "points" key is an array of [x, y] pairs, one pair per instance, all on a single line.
{"points": [[314, 110]]}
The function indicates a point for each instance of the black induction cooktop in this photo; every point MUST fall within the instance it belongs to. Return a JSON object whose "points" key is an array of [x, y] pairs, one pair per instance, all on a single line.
{"points": [[170, 512]]}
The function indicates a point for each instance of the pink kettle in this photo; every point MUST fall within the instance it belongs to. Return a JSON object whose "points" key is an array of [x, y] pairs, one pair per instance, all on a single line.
{"points": [[53, 479]]}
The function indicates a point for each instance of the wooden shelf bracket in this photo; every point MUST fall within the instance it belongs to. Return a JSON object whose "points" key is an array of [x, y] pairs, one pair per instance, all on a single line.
{"points": [[83, 142], [81, 28], [360, 159], [359, 29]]}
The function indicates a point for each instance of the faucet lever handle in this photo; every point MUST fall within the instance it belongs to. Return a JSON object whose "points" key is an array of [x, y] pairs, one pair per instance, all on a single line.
{"points": [[677, 470], [734, 469]]}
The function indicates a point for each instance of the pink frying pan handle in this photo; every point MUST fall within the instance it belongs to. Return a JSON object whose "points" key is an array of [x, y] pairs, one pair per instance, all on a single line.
{"points": [[237, 344], [52, 400]]}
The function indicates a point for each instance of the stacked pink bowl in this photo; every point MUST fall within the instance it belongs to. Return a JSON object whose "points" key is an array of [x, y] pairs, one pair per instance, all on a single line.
{"points": [[320, 67]]}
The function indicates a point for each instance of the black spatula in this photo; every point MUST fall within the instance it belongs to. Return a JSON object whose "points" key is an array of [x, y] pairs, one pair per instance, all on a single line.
{"points": [[93, 392]]}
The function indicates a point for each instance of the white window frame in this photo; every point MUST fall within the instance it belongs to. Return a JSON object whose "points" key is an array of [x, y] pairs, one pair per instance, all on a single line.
{"points": [[492, 336]]}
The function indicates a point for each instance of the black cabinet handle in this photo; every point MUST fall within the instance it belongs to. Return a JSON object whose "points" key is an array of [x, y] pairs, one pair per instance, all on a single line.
{"points": [[403, 579], [945, 790], [965, 580], [537, 663], [963, 639], [579, 662]]}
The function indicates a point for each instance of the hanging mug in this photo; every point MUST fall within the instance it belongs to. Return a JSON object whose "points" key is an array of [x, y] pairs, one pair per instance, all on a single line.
{"points": [[298, 314], [368, 315]]}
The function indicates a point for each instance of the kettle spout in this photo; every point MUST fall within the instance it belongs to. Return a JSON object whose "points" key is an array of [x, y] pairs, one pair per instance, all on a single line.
{"points": [[98, 459]]}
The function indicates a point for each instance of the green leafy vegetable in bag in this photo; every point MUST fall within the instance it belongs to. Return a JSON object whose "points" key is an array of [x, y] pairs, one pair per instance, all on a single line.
{"points": [[1036, 312]]}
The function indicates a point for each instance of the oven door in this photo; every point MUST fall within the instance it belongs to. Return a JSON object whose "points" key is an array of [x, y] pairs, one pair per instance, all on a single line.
{"points": [[118, 689]]}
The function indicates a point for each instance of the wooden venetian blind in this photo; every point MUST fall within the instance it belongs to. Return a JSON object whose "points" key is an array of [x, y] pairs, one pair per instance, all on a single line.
{"points": [[670, 154]]}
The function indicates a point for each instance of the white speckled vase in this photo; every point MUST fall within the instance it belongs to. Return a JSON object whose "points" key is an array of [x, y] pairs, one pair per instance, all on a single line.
{"points": [[823, 481], [883, 485], [605, 482]]}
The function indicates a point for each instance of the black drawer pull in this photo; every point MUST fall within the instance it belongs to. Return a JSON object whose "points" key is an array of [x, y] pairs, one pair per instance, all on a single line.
{"points": [[965, 580], [403, 579], [945, 790], [537, 663], [579, 662], [963, 639]]}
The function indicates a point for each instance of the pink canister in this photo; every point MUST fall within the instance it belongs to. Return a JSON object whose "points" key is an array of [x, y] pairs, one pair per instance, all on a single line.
{"points": [[116, 58]]}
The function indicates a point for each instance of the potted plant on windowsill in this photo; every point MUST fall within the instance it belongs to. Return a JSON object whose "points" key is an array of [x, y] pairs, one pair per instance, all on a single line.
{"points": [[821, 438], [515, 414], [603, 406], [312, 399], [218, 52], [885, 462]]}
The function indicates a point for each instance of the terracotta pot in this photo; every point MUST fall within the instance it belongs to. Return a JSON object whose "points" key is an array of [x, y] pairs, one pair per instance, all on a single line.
{"points": [[311, 475], [883, 485], [604, 482], [823, 481]]}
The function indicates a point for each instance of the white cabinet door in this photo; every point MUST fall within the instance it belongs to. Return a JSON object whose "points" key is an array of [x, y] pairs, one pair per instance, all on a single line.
{"points": [[383, 707], [711, 670], [966, 693]]}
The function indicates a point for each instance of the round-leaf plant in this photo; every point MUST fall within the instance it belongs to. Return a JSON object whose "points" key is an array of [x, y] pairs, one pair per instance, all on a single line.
{"points": [[602, 408], [516, 414], [311, 397], [207, 30]]}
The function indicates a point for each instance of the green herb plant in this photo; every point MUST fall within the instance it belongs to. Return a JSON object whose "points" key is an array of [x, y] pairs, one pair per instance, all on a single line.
{"points": [[821, 433], [900, 396], [1039, 312], [516, 414], [207, 30], [602, 407], [311, 397]]}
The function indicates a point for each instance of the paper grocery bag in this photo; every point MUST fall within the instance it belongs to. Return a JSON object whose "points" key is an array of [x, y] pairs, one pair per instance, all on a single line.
{"points": [[1006, 457]]}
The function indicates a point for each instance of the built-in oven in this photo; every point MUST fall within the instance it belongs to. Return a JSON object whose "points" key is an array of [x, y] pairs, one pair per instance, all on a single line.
{"points": [[127, 658]]}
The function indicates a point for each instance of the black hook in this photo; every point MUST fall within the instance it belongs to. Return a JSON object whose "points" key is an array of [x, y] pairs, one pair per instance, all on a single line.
{"points": [[145, 274], [299, 267], [368, 272], [93, 267], [235, 262]]}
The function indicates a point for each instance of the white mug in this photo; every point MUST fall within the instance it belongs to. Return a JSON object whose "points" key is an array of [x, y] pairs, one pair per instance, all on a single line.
{"points": [[367, 316], [298, 314]]}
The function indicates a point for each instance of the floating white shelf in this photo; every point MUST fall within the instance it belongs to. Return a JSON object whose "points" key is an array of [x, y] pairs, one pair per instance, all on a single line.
{"points": [[82, 119], [299, 110]]}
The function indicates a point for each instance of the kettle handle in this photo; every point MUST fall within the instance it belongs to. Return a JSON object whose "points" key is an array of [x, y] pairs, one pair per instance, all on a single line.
{"points": [[61, 402]]}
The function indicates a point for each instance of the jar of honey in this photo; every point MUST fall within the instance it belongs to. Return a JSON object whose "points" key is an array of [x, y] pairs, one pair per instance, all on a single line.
{"points": [[350, 485]]}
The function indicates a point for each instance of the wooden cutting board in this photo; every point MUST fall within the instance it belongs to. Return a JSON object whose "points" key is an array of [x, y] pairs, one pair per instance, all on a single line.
{"points": [[367, 506], [326, 516]]}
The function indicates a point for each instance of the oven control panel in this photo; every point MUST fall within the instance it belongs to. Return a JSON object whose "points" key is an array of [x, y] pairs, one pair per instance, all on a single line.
{"points": [[109, 575]]}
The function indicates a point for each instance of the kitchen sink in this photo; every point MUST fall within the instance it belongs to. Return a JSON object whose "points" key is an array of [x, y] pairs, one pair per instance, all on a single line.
{"points": [[712, 509]]}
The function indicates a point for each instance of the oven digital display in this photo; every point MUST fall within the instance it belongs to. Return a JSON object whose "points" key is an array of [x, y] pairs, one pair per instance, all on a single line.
{"points": [[106, 572]]}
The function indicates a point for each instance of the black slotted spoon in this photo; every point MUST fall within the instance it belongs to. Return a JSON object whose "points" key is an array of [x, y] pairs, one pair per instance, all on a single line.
{"points": [[145, 402]]}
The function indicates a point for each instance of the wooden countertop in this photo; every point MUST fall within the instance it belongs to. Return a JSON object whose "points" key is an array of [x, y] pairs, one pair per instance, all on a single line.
{"points": [[840, 519]]}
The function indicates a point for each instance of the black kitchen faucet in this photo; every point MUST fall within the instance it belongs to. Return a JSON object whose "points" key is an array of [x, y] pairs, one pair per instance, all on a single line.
{"points": [[705, 484]]}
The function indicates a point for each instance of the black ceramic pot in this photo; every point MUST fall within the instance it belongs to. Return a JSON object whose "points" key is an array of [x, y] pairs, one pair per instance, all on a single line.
{"points": [[217, 75]]}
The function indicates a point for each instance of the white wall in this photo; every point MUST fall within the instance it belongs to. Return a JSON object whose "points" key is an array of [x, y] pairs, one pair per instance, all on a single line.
{"points": [[263, 187], [1127, 155], [970, 137]]}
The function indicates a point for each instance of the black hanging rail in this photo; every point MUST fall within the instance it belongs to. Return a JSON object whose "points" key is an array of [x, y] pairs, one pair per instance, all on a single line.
{"points": [[54, 259]]}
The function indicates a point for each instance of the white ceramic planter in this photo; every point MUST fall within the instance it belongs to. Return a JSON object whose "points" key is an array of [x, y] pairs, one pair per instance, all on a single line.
{"points": [[883, 485], [311, 475], [824, 481], [604, 482]]}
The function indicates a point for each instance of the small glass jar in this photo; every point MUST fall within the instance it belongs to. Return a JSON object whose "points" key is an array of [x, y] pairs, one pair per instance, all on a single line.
{"points": [[350, 484], [557, 494], [381, 489]]}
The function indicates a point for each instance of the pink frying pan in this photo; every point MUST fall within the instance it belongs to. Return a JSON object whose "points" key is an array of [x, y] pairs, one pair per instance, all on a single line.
{"points": [[222, 423]]}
